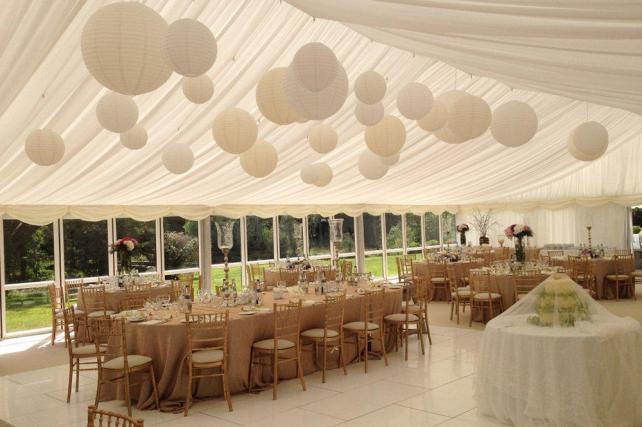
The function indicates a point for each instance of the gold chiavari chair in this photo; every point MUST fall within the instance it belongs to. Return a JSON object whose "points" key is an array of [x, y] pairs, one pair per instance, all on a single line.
{"points": [[207, 351], [327, 271], [71, 288], [56, 301], [94, 302], [331, 335], [483, 294], [404, 268], [98, 418], [345, 267], [460, 292], [139, 287], [556, 258], [400, 322], [582, 273], [502, 254], [623, 265], [273, 352], [187, 280], [525, 281], [622, 252], [438, 279], [487, 256], [134, 300], [175, 290], [421, 299]]}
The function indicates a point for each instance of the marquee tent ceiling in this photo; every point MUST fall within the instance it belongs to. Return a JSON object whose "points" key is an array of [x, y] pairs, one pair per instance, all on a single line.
{"points": [[46, 84]]}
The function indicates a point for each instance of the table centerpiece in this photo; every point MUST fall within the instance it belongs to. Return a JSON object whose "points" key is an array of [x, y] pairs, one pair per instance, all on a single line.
{"points": [[517, 232]]}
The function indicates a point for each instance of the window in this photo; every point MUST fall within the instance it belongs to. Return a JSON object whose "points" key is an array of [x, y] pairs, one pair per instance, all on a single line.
{"points": [[86, 248], [449, 228], [145, 232], [290, 237], [28, 252], [372, 244], [413, 233], [394, 242], [181, 243], [432, 229], [218, 274], [28, 309], [260, 237], [318, 235], [348, 244]]}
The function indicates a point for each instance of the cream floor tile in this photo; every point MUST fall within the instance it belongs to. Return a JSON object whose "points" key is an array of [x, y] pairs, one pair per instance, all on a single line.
{"points": [[434, 375], [197, 420], [295, 418], [450, 400], [395, 415], [16, 407]]}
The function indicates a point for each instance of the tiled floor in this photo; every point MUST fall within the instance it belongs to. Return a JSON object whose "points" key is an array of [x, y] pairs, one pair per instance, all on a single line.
{"points": [[435, 389]]}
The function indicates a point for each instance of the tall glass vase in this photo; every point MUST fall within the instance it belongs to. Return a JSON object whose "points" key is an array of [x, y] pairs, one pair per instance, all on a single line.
{"points": [[520, 253], [462, 238], [125, 262]]}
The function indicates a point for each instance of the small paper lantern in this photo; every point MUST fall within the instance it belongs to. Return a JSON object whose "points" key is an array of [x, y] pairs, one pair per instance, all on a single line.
{"points": [[44, 147], [117, 113], [414, 101], [178, 158], [322, 174], [260, 160], [370, 87], [371, 166], [369, 115], [271, 99], [322, 138], [435, 119], [235, 130], [588, 141], [307, 174], [514, 123], [390, 160], [315, 66], [123, 48], [135, 138], [191, 47], [199, 89], [386, 137], [469, 117], [316, 105], [445, 133]]}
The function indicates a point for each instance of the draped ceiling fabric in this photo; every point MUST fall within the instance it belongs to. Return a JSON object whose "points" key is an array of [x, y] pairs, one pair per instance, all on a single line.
{"points": [[570, 60]]}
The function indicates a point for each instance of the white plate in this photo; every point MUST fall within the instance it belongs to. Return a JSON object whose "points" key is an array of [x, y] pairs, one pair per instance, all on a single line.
{"points": [[246, 313], [394, 286], [136, 319]]}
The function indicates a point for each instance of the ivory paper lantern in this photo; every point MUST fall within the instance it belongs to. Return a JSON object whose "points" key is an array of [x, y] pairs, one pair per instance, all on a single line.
{"points": [[371, 166], [316, 105], [308, 174], [135, 138], [370, 87], [190, 46], [271, 99], [390, 160], [435, 119], [445, 133], [235, 130], [414, 101], [260, 160], [44, 147], [322, 138], [117, 113], [199, 89], [315, 66], [514, 123], [469, 117], [322, 174], [369, 114], [178, 158], [122, 46], [386, 137], [588, 141]]}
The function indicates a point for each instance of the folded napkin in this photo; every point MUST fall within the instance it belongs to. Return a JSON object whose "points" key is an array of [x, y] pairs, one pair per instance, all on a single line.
{"points": [[154, 322]]}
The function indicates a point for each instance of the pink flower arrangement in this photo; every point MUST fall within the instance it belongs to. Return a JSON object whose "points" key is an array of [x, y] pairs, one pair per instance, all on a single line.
{"points": [[462, 228], [518, 230], [125, 244]]}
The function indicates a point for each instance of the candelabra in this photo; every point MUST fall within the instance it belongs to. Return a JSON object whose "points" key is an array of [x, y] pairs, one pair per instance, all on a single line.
{"points": [[588, 228], [336, 237], [225, 242]]}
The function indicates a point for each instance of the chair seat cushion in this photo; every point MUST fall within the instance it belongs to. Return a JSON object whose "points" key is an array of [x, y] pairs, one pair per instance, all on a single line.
{"points": [[87, 349], [318, 333], [100, 313], [484, 296], [412, 308], [637, 273], [268, 344], [463, 292], [401, 317], [617, 277], [360, 326], [59, 314], [207, 356], [438, 279], [133, 360]]}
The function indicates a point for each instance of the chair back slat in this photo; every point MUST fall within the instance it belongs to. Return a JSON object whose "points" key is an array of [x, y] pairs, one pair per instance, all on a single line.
{"points": [[93, 299], [100, 418], [110, 337], [480, 282], [334, 309], [207, 331], [287, 320], [372, 307]]}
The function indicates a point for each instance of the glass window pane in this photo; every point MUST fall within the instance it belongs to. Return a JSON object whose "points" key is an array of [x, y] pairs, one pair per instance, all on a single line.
{"points": [[290, 237], [260, 237], [318, 235], [86, 251], [235, 252], [181, 243], [413, 231], [28, 309], [347, 245], [393, 241], [449, 228], [28, 252], [432, 229], [144, 259], [372, 244]]}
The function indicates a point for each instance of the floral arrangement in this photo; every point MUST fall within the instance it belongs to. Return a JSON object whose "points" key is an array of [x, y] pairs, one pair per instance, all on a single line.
{"points": [[518, 230], [558, 304], [124, 247], [462, 228], [482, 222]]}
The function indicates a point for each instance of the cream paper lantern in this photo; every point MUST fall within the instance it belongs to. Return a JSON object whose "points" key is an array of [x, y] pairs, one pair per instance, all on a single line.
{"points": [[235, 130], [588, 141], [386, 137], [469, 117], [315, 66], [117, 113], [318, 174], [414, 101], [316, 105], [190, 46], [260, 160], [322, 138], [122, 45], [390, 160], [445, 133], [199, 89], [44, 147], [435, 119], [308, 174], [514, 123], [178, 158], [368, 114], [371, 166], [370, 87], [135, 138], [271, 100]]}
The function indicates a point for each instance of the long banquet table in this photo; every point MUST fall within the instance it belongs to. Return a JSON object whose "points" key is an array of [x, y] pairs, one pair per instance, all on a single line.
{"points": [[114, 297]]}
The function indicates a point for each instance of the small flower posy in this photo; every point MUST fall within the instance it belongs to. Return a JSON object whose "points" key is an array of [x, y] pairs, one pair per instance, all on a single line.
{"points": [[462, 228]]}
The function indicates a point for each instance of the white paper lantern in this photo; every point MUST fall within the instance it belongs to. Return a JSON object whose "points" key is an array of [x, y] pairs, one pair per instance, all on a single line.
{"points": [[271, 99], [370, 87], [123, 48], [308, 174], [117, 113], [191, 47], [514, 123], [315, 66], [322, 174], [199, 89], [235, 130], [260, 160], [390, 160], [414, 101], [588, 141], [435, 119], [135, 138], [322, 138], [386, 137], [371, 166], [445, 133], [316, 105], [369, 115], [469, 117], [178, 158], [44, 147]]}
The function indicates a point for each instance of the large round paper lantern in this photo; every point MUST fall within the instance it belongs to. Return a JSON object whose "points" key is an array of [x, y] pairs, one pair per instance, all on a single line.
{"points": [[369, 114], [414, 101], [386, 137], [370, 87], [308, 174], [135, 138], [315, 66], [316, 105], [371, 166], [588, 141], [260, 160], [322, 174], [123, 48], [178, 158], [322, 138], [514, 123], [199, 89], [435, 119], [445, 133], [271, 99], [191, 47], [235, 130], [390, 160], [117, 113], [44, 147], [469, 117]]}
